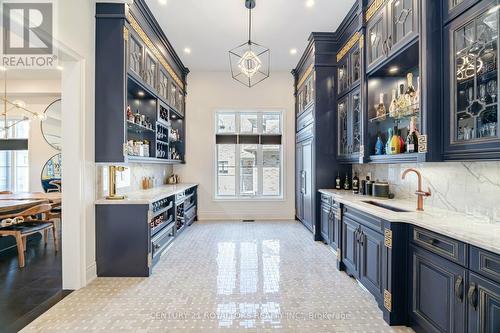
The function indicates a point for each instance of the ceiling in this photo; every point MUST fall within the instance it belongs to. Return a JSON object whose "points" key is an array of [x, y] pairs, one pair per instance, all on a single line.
{"points": [[211, 28]]}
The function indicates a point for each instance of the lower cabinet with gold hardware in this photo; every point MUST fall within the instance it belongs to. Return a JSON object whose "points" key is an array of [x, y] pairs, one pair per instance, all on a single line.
{"points": [[373, 252], [448, 295]]}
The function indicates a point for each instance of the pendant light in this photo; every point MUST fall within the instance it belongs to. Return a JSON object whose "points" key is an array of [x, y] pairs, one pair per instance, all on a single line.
{"points": [[250, 61]]}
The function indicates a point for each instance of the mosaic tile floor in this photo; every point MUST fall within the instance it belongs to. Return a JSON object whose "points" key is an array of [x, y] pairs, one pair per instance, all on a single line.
{"points": [[226, 277]]}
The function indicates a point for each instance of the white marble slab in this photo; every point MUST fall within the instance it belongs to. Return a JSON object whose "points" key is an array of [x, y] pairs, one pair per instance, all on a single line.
{"points": [[146, 197], [469, 229]]}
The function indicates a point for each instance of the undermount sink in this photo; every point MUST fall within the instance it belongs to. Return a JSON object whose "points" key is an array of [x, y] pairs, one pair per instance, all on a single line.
{"points": [[381, 205]]}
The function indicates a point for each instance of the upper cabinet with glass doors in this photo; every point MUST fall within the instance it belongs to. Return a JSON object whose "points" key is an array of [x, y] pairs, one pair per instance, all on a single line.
{"points": [[391, 26], [305, 93], [471, 106]]}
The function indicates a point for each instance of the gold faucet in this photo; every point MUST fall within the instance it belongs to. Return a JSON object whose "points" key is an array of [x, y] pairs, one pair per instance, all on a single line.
{"points": [[112, 183], [420, 194]]}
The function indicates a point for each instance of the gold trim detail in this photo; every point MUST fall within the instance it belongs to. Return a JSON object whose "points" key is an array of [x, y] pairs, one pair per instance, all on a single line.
{"points": [[305, 76], [350, 43], [388, 238], [125, 33], [387, 300], [373, 8], [339, 257], [135, 25], [361, 41], [422, 143]]}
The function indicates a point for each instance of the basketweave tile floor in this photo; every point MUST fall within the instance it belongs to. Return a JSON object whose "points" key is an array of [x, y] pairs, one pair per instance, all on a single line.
{"points": [[226, 277]]}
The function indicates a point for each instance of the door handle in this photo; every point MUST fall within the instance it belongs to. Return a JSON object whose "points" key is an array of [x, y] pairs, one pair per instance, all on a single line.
{"points": [[304, 182], [472, 295], [459, 288], [362, 238]]}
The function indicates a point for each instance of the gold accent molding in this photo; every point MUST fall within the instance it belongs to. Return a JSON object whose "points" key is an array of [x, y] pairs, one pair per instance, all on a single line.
{"points": [[339, 254], [305, 75], [158, 55], [373, 8], [422, 143], [361, 41], [387, 300], [388, 238], [350, 43], [125, 33]]}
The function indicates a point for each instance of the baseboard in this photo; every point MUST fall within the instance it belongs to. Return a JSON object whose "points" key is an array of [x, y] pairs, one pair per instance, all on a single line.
{"points": [[244, 215], [91, 273]]}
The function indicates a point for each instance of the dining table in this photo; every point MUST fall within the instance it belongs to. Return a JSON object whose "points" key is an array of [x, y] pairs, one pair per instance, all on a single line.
{"points": [[10, 208]]}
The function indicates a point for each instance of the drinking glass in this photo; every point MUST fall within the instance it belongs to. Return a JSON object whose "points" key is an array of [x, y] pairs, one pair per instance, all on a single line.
{"points": [[482, 92]]}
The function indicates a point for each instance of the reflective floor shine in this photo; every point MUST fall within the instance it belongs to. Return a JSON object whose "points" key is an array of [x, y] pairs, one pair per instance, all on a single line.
{"points": [[229, 277]]}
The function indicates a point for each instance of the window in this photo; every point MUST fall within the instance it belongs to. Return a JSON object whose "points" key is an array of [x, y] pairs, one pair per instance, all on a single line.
{"points": [[248, 155], [14, 165]]}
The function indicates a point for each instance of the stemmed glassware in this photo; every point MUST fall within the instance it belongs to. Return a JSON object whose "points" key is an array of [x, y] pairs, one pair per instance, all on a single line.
{"points": [[492, 89]]}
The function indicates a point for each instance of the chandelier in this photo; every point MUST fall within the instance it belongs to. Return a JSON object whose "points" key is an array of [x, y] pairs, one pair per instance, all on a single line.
{"points": [[23, 114], [250, 61]]}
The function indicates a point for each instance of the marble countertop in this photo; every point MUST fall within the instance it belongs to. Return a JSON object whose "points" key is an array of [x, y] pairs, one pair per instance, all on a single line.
{"points": [[462, 227], [146, 197]]}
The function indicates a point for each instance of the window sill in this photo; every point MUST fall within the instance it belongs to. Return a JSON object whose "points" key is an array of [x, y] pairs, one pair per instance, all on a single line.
{"points": [[248, 199]]}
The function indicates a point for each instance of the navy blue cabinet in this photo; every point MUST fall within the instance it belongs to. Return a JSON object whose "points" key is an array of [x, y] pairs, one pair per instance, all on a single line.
{"points": [[305, 211], [350, 246], [371, 261], [437, 293], [472, 127], [326, 222], [484, 305]]}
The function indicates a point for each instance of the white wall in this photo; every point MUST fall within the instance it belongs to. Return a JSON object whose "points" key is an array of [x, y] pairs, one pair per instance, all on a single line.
{"points": [[211, 91]]}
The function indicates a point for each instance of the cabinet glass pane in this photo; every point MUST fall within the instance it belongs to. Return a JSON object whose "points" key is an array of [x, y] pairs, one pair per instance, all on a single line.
{"points": [[375, 47], [355, 66], [343, 127], [135, 55], [476, 90], [163, 85], [356, 122], [173, 94], [454, 3], [343, 77], [248, 170], [150, 70], [402, 20]]}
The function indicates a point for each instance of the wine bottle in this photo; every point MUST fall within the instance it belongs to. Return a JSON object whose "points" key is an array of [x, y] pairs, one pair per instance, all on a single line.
{"points": [[416, 99], [410, 142], [410, 90], [402, 143], [388, 143], [337, 182], [381, 112], [393, 108], [402, 100], [394, 145], [130, 115], [414, 132], [355, 184], [347, 185], [379, 146]]}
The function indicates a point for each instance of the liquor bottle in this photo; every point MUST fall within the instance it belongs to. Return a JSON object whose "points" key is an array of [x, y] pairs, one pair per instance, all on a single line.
{"points": [[337, 182], [410, 142], [393, 108], [410, 90], [130, 115], [381, 112], [347, 185], [388, 143], [402, 143], [355, 184], [395, 145], [402, 100], [379, 146], [414, 133], [416, 99]]}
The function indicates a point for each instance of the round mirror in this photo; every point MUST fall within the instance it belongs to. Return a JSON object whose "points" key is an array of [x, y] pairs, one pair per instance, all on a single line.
{"points": [[51, 174], [51, 124]]}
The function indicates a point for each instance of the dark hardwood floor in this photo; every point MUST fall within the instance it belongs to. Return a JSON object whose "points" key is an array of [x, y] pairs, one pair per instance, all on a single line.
{"points": [[27, 292]]}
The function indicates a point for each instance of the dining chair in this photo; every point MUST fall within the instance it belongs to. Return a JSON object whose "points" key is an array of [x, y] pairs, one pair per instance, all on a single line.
{"points": [[6, 192], [30, 226]]}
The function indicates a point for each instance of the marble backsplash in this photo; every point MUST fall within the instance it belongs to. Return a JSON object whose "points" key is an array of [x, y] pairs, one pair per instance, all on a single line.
{"points": [[131, 179], [467, 187]]}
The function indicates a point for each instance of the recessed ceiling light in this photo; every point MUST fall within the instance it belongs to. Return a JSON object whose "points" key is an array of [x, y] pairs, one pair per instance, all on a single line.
{"points": [[140, 94], [293, 51], [162, 2], [309, 3], [187, 50], [393, 69]]}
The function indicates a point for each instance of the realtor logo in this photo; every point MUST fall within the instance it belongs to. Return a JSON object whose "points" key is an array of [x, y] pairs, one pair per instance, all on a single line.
{"points": [[27, 39]]}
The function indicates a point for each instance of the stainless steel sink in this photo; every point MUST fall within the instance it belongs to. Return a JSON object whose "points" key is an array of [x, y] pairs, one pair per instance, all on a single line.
{"points": [[381, 205]]}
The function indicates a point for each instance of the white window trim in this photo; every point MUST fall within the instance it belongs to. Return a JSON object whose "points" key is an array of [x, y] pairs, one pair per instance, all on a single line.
{"points": [[241, 198]]}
